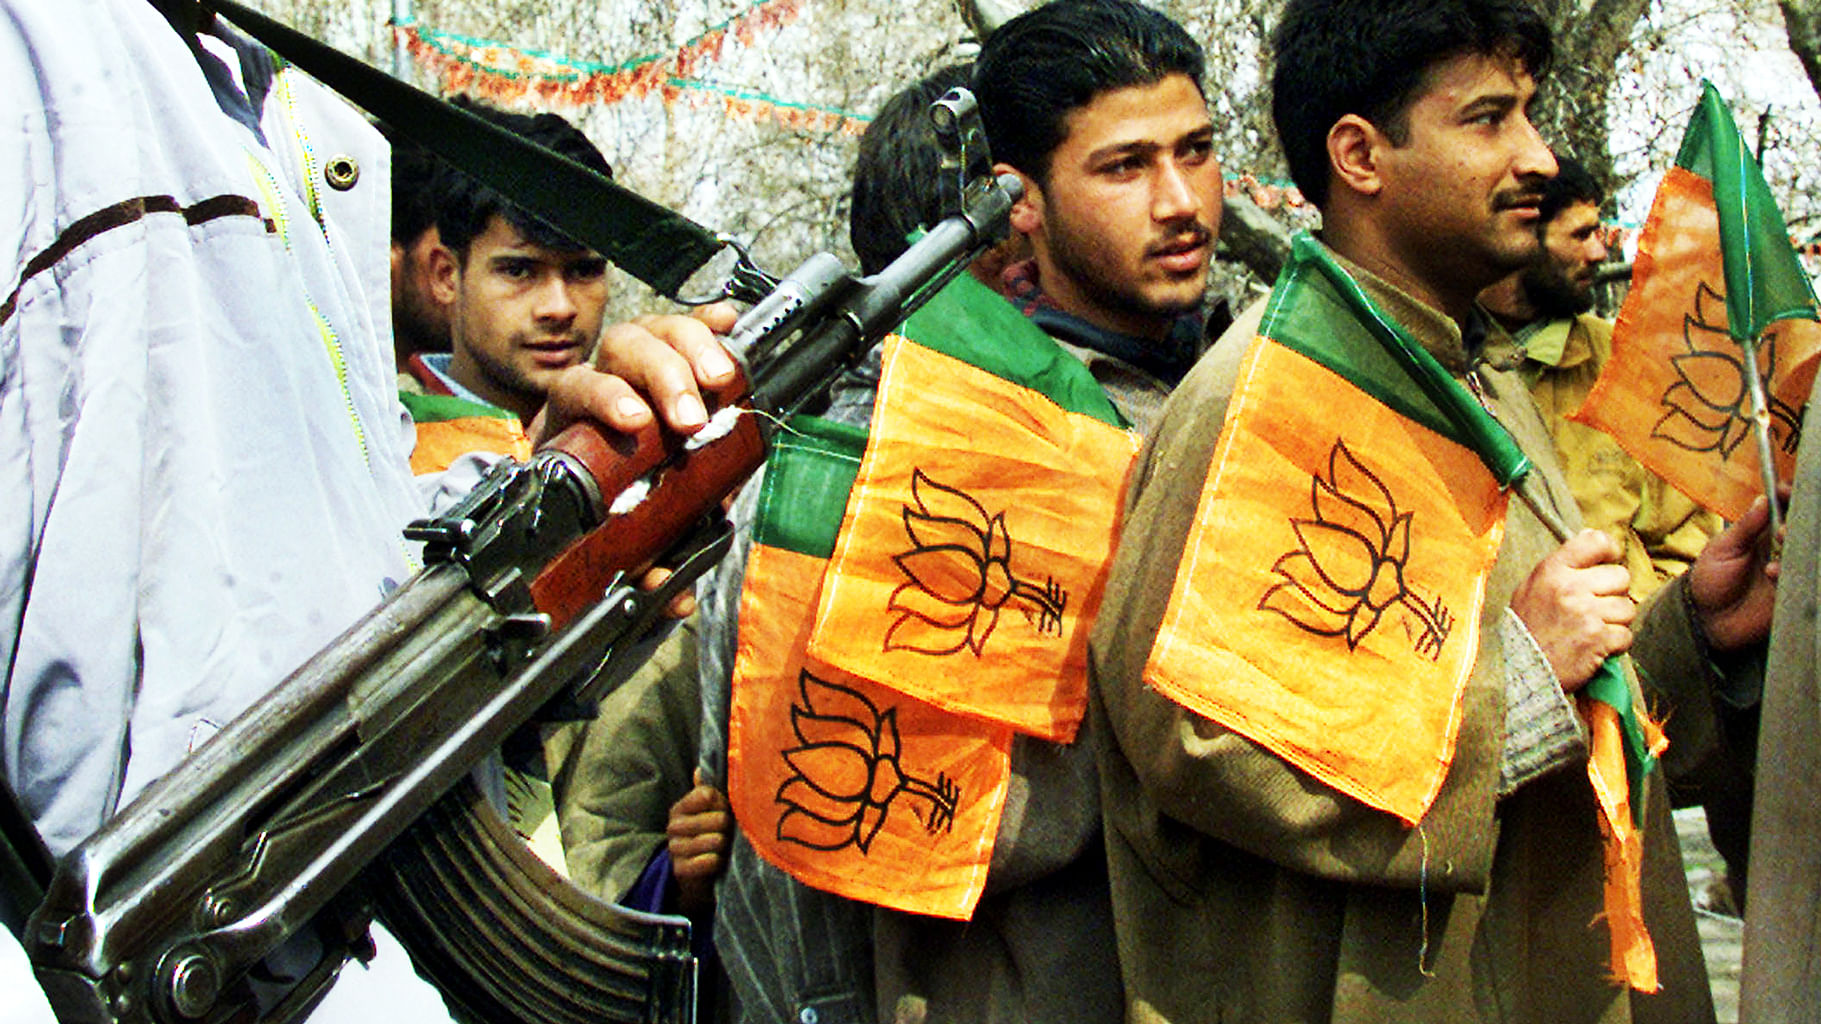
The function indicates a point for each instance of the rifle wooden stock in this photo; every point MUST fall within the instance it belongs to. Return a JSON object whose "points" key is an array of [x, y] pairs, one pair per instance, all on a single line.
{"points": [[347, 786], [687, 482]]}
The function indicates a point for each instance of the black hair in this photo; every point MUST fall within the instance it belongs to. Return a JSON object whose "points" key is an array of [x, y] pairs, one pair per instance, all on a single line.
{"points": [[1572, 184], [465, 206], [1371, 58], [895, 175], [1038, 67], [414, 173]]}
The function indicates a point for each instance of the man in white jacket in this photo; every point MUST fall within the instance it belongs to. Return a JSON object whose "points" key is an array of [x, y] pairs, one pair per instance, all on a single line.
{"points": [[203, 461]]}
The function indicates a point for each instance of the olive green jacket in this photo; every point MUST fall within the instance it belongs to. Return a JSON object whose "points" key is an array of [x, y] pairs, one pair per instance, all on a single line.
{"points": [[1246, 891], [1660, 529]]}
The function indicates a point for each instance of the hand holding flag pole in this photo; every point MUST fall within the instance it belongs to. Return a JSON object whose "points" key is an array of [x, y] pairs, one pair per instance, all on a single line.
{"points": [[1624, 746], [1764, 281]]}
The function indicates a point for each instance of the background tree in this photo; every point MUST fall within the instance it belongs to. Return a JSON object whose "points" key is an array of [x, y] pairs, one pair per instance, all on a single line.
{"points": [[743, 143]]}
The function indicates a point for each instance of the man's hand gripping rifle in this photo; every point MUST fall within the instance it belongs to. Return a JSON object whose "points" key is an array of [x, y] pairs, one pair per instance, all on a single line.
{"points": [[346, 789]]}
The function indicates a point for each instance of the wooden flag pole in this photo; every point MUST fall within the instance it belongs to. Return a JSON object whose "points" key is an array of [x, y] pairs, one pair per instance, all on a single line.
{"points": [[1760, 429]]}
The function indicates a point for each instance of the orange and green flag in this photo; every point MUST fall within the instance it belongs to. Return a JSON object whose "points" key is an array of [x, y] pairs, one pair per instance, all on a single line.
{"points": [[848, 786], [1329, 597], [974, 551], [1328, 601], [449, 427], [1714, 267]]}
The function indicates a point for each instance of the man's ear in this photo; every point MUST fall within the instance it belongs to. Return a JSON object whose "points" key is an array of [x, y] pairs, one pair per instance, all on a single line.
{"points": [[1027, 212], [445, 275], [1354, 147]]}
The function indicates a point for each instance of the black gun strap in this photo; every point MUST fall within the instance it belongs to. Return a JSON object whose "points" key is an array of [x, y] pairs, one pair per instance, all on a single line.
{"points": [[658, 246], [25, 863]]}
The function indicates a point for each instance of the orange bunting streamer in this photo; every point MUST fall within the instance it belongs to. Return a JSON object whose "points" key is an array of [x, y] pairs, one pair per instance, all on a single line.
{"points": [[848, 786], [506, 75], [974, 551], [1329, 598]]}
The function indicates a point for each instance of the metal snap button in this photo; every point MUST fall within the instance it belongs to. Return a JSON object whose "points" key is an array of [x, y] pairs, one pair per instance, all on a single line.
{"points": [[341, 172]]}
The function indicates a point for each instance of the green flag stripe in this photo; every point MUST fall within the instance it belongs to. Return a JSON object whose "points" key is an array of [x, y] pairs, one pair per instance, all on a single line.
{"points": [[441, 408], [969, 321], [1765, 281], [1318, 310], [807, 479], [1608, 686]]}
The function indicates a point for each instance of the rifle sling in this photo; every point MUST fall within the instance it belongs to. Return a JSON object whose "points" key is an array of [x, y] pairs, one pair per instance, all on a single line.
{"points": [[658, 246], [25, 863]]}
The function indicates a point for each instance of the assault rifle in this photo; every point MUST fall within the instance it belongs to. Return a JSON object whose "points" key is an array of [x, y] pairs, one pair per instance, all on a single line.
{"points": [[234, 888]]}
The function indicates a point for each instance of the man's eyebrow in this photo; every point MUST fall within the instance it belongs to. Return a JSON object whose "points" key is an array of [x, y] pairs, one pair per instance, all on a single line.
{"points": [[1128, 147], [1490, 102], [1131, 147]]}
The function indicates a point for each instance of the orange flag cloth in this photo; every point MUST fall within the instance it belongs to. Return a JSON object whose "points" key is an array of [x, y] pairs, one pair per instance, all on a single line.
{"points": [[847, 786], [1673, 393], [1634, 956], [1329, 597], [974, 551]]}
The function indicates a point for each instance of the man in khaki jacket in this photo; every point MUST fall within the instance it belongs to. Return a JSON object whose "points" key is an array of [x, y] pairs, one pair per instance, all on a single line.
{"points": [[1246, 889], [1547, 309]]}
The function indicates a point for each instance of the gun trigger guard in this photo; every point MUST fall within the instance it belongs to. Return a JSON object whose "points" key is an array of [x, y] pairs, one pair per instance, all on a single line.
{"points": [[637, 610]]}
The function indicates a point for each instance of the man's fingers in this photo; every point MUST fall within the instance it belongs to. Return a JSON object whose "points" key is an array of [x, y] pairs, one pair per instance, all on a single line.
{"points": [[582, 392], [698, 800], [1606, 579], [655, 367], [1619, 610], [697, 867], [673, 359], [1590, 548], [1614, 640], [718, 316], [691, 826], [681, 606]]}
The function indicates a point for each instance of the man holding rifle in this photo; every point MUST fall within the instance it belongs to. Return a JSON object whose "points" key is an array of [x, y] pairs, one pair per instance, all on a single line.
{"points": [[205, 460]]}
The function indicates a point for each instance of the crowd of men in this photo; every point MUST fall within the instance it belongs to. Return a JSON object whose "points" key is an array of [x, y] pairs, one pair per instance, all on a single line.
{"points": [[198, 499]]}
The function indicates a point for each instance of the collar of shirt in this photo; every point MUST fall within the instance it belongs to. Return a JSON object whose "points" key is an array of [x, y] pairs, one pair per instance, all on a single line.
{"points": [[432, 371]]}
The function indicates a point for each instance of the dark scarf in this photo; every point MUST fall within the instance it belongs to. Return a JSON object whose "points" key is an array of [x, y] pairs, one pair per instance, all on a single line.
{"points": [[1168, 360]]}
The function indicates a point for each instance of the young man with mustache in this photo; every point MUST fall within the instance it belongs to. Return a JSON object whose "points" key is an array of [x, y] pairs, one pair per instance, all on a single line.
{"points": [[1252, 879], [524, 303], [1097, 105]]}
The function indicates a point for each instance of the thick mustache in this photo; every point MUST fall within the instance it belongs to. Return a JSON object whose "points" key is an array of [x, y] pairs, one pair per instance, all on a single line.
{"points": [[1195, 236], [1516, 198]]}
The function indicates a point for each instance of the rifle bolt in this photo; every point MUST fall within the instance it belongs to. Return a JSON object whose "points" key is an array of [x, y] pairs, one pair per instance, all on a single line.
{"points": [[195, 985]]}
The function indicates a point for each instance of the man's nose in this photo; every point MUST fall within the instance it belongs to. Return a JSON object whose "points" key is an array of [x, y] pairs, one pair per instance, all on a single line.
{"points": [[1174, 196], [555, 301], [1534, 157]]}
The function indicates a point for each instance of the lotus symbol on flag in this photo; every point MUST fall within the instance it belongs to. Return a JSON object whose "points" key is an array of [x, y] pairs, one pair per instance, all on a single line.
{"points": [[846, 772], [1708, 408], [1350, 568], [960, 576]]}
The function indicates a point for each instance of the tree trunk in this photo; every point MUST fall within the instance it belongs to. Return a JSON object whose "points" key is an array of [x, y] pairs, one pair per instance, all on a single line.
{"points": [[1590, 37], [1802, 20]]}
